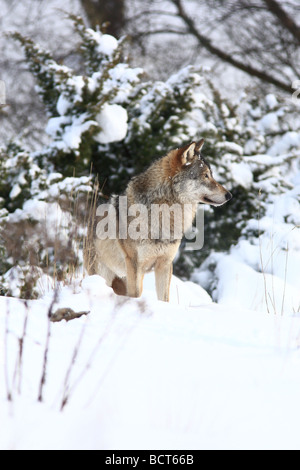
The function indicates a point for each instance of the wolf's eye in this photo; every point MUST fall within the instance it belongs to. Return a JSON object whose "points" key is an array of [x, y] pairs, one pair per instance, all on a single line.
{"points": [[207, 175]]}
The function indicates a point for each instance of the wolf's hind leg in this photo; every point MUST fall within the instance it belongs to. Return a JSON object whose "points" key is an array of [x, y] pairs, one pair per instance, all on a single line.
{"points": [[117, 283], [119, 286]]}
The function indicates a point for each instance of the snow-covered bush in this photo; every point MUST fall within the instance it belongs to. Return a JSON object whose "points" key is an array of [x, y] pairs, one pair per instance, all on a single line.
{"points": [[40, 222], [77, 104]]}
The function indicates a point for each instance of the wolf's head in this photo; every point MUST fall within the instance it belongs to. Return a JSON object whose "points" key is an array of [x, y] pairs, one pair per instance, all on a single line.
{"points": [[194, 182]]}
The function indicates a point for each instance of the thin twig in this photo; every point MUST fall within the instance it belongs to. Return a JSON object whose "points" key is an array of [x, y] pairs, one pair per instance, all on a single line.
{"points": [[6, 374], [66, 391], [285, 277], [260, 254], [21, 346], [46, 350], [72, 387]]}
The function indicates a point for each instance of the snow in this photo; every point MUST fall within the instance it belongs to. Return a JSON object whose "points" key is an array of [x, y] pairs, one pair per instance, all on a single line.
{"points": [[230, 147], [269, 122], [16, 190], [242, 174], [72, 133], [39, 210], [285, 143], [106, 44], [121, 79], [271, 101], [63, 104], [54, 125], [113, 122], [149, 375], [262, 292]]}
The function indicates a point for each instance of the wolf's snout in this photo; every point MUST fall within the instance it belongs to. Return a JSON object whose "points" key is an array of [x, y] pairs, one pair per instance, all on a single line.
{"points": [[228, 196]]}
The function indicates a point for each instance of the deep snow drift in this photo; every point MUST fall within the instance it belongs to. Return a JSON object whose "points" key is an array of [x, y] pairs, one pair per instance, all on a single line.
{"points": [[142, 374]]}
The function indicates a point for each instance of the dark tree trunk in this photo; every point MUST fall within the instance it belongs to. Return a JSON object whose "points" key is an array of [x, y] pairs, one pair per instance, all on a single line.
{"points": [[106, 11]]}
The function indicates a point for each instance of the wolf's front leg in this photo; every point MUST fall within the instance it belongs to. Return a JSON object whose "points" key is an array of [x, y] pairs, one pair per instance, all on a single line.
{"points": [[135, 278], [163, 276]]}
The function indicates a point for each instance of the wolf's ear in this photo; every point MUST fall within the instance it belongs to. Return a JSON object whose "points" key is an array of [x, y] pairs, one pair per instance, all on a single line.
{"points": [[188, 154], [199, 145]]}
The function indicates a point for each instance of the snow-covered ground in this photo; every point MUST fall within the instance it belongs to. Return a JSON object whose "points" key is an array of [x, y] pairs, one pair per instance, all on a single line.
{"points": [[142, 374]]}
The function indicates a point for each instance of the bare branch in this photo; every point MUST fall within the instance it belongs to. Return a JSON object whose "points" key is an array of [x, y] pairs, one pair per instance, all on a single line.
{"points": [[221, 54], [284, 18], [144, 13], [46, 350], [158, 31]]}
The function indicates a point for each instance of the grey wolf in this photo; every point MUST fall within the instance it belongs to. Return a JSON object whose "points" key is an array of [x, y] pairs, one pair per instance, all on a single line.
{"points": [[182, 178]]}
